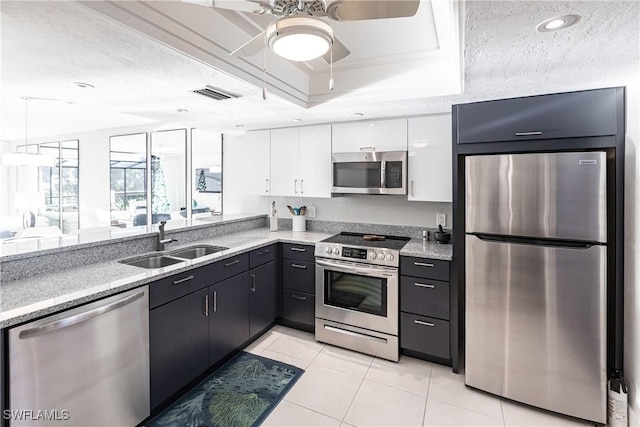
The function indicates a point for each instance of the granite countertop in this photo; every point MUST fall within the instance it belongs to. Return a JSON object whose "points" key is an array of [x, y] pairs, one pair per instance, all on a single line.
{"points": [[28, 299]]}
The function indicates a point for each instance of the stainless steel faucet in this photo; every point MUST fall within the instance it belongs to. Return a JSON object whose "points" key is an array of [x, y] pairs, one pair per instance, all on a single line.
{"points": [[161, 240]]}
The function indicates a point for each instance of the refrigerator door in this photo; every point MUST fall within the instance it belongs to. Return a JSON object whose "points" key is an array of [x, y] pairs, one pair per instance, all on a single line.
{"points": [[548, 195], [536, 325]]}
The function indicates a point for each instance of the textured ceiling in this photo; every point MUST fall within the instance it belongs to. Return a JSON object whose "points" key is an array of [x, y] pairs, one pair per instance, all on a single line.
{"points": [[48, 45]]}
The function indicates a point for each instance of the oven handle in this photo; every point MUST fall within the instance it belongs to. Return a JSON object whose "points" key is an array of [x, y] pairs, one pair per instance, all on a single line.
{"points": [[350, 267]]}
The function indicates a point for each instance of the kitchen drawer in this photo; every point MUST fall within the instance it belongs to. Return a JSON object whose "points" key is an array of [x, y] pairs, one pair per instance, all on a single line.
{"points": [[229, 267], [424, 296], [173, 287], [299, 276], [424, 267], [562, 115], [299, 307], [262, 256], [298, 252], [425, 335]]}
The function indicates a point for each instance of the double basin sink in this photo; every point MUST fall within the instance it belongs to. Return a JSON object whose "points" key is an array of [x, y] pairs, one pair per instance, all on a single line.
{"points": [[180, 255]]}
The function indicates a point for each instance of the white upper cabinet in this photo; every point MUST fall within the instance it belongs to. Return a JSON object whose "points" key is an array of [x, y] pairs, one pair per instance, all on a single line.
{"points": [[257, 168], [429, 171], [380, 135], [315, 161], [301, 161], [285, 165]]}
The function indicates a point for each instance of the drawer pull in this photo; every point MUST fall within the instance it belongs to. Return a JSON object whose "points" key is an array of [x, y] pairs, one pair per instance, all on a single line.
{"points": [[229, 264], [298, 266], [424, 285], [300, 298], [215, 301], [420, 322], [423, 264], [253, 283], [263, 253], [206, 305], [528, 133], [186, 279], [298, 249]]}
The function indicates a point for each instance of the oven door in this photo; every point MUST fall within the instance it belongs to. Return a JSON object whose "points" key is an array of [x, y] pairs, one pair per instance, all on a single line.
{"points": [[357, 294]]}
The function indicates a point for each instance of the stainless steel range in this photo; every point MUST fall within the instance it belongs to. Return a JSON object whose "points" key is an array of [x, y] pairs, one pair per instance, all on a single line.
{"points": [[357, 296]]}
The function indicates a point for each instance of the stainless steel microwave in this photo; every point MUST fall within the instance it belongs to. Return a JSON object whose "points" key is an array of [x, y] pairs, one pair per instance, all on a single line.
{"points": [[372, 172]]}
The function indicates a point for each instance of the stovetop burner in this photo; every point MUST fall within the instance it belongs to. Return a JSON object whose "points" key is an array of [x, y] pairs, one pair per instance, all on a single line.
{"points": [[361, 239], [363, 248]]}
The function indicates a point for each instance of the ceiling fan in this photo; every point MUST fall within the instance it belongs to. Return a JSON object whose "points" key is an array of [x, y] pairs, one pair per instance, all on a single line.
{"points": [[299, 34]]}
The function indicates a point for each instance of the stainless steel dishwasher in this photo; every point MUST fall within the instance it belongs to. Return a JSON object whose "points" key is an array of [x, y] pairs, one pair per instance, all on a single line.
{"points": [[88, 366]]}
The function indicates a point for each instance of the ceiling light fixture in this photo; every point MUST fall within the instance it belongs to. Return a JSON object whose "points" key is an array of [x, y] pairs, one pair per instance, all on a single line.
{"points": [[357, 115], [296, 120], [557, 23], [182, 110], [299, 38], [239, 126], [83, 85]]}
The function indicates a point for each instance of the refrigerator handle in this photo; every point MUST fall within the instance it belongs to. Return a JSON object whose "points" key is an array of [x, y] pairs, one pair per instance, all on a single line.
{"points": [[556, 243]]}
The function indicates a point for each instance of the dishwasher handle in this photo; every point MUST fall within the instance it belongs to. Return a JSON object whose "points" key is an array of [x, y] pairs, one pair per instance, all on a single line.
{"points": [[78, 318]]}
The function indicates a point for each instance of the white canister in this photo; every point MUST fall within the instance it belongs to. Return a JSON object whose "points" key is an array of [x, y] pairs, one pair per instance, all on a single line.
{"points": [[299, 223], [273, 223]]}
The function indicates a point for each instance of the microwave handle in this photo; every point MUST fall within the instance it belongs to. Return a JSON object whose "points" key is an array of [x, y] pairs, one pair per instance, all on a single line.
{"points": [[383, 169]]}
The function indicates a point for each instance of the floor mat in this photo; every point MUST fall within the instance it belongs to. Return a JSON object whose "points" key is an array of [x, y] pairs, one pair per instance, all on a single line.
{"points": [[241, 393]]}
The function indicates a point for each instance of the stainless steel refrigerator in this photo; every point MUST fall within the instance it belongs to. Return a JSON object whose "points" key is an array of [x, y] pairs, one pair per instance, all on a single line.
{"points": [[535, 273]]}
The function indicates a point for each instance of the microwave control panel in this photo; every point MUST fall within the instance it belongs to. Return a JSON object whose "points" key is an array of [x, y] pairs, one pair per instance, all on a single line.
{"points": [[393, 175]]}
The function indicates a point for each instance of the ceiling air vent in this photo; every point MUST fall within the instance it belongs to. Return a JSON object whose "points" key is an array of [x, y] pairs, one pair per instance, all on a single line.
{"points": [[215, 93]]}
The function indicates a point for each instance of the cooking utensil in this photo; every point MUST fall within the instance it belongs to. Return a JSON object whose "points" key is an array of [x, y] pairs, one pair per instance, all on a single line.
{"points": [[441, 236], [373, 237], [291, 210], [303, 210], [440, 228]]}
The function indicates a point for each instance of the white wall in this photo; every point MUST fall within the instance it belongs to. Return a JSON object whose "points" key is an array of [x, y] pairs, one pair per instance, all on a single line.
{"points": [[632, 254]]}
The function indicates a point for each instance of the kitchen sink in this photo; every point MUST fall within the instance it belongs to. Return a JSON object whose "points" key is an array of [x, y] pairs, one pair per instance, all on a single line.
{"points": [[152, 261], [196, 251]]}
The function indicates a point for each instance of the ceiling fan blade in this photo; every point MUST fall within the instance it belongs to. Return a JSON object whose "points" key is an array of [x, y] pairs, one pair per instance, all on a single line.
{"points": [[339, 52], [358, 10], [251, 47], [250, 6]]}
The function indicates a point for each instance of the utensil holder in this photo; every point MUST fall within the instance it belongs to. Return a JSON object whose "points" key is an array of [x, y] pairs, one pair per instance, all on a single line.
{"points": [[273, 223], [299, 223]]}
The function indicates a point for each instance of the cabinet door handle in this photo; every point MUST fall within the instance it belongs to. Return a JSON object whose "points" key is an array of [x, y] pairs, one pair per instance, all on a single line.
{"points": [[298, 249], [528, 133], [413, 188], [253, 283], [420, 322], [301, 189], [367, 148], [424, 285], [229, 264], [297, 297], [263, 252], [298, 266], [422, 264], [186, 279], [206, 304], [295, 186], [215, 301], [266, 185]]}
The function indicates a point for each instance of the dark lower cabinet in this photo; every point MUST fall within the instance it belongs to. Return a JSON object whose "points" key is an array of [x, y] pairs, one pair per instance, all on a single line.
{"points": [[263, 297], [228, 316], [425, 335], [299, 307], [178, 344]]}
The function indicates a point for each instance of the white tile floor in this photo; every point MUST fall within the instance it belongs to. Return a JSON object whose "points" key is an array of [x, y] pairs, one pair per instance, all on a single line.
{"points": [[344, 388]]}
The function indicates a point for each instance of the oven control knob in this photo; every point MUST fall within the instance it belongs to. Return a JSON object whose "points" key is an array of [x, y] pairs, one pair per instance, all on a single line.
{"points": [[390, 257], [336, 251], [372, 255], [381, 256], [328, 250]]}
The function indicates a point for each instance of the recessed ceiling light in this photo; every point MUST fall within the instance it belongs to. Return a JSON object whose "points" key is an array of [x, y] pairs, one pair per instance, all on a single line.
{"points": [[557, 23], [357, 115], [182, 110], [83, 85], [296, 120], [239, 126]]}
